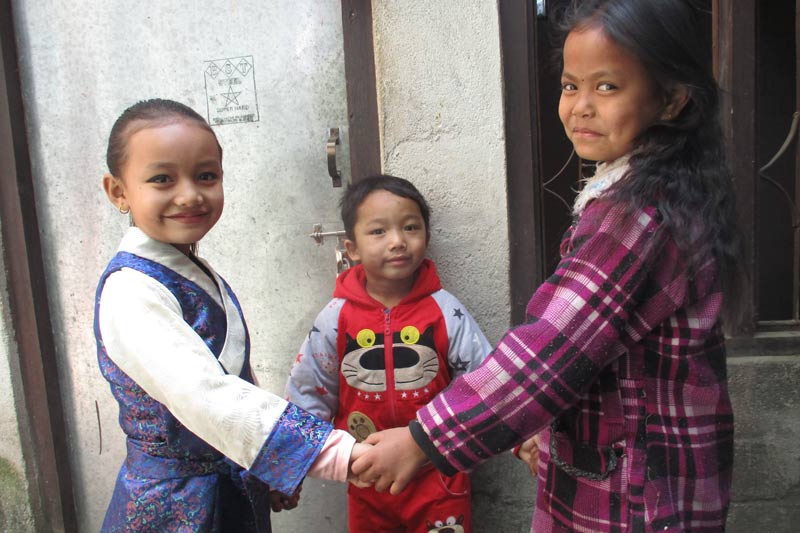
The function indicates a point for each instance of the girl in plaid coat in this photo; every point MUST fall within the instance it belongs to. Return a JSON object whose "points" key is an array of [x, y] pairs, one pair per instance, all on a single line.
{"points": [[620, 365]]}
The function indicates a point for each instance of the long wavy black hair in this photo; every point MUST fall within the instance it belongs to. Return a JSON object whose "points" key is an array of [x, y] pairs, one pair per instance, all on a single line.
{"points": [[678, 165]]}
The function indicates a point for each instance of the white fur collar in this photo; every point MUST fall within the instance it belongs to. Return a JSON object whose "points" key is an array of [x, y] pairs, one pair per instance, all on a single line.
{"points": [[606, 175]]}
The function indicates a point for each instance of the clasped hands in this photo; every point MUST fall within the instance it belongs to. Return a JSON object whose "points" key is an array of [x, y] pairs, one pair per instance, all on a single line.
{"points": [[388, 459], [385, 460]]}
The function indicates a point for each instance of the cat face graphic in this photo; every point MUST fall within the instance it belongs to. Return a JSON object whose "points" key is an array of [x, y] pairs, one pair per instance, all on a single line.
{"points": [[413, 354]]}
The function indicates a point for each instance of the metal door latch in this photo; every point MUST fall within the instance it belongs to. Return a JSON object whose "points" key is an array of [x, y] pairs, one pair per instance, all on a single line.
{"points": [[343, 261]]}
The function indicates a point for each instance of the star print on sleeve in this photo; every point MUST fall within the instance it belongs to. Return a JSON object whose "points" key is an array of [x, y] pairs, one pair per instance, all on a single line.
{"points": [[459, 365], [322, 391], [457, 313]]}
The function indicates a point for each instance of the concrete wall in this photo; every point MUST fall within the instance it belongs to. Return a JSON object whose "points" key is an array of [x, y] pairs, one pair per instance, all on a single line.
{"points": [[79, 72], [766, 402]]}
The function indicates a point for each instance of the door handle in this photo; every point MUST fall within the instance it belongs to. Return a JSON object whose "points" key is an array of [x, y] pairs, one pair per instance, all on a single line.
{"points": [[330, 149], [343, 261]]}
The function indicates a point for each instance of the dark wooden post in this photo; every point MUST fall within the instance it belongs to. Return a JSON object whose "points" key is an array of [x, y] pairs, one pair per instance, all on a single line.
{"points": [[525, 210], [735, 63], [362, 97]]}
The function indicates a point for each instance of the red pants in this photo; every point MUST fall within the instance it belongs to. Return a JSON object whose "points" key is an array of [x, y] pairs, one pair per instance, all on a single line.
{"points": [[432, 502]]}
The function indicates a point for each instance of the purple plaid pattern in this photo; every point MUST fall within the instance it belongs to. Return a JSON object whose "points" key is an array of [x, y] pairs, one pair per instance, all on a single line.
{"points": [[623, 354]]}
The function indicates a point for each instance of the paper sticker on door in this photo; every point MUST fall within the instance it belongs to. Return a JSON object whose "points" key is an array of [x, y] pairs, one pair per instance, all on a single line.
{"points": [[231, 91]]}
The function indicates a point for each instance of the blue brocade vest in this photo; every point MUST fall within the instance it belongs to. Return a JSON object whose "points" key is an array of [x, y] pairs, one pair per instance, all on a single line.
{"points": [[171, 479]]}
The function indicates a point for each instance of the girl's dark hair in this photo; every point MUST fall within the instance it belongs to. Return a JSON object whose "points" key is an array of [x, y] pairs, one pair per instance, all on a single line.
{"points": [[677, 165], [144, 114], [356, 194]]}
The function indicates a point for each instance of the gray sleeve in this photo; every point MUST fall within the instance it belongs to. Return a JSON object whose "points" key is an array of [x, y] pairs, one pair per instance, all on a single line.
{"points": [[313, 382], [468, 345]]}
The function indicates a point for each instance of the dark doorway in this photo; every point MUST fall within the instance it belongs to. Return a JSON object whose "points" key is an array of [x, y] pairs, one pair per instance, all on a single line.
{"points": [[754, 45], [558, 165], [776, 194]]}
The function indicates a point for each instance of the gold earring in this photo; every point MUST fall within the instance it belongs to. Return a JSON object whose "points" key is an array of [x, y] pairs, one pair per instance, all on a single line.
{"points": [[124, 211]]}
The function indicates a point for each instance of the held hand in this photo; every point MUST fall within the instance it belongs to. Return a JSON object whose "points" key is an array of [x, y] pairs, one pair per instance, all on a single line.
{"points": [[529, 452], [279, 501], [392, 462], [358, 450]]}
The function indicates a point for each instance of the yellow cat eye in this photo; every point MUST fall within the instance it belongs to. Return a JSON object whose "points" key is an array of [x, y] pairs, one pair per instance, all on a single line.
{"points": [[365, 338], [409, 335]]}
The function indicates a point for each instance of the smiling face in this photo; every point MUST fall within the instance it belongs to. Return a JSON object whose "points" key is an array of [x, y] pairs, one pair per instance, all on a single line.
{"points": [[607, 97], [390, 241], [171, 181]]}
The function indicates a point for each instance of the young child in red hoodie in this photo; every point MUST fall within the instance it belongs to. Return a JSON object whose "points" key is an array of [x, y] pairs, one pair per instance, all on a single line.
{"points": [[389, 340]]}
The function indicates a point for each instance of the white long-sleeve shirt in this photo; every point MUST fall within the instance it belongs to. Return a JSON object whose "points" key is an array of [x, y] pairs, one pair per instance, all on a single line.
{"points": [[145, 334]]}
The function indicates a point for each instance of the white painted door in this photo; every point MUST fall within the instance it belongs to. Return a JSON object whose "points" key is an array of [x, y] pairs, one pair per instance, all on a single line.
{"points": [[270, 76]]}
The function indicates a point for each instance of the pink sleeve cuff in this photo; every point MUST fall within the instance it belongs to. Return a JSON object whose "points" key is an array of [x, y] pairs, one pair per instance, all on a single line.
{"points": [[333, 462]]}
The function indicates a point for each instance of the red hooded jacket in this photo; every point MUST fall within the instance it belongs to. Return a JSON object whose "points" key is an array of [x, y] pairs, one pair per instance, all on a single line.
{"points": [[421, 343]]}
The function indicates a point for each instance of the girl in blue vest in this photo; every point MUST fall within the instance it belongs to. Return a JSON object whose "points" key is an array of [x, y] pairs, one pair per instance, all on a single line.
{"points": [[207, 450]]}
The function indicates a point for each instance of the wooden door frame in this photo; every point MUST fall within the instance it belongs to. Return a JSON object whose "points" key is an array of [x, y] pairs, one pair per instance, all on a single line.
{"points": [[362, 93], [736, 66], [734, 35], [37, 393], [523, 152]]}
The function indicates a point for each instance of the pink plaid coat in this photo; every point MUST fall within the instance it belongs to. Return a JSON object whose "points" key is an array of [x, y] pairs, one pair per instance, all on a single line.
{"points": [[622, 364]]}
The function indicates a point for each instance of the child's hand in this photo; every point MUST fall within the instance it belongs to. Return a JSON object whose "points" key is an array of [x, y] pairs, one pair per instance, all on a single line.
{"points": [[279, 501], [392, 462], [358, 450], [529, 452]]}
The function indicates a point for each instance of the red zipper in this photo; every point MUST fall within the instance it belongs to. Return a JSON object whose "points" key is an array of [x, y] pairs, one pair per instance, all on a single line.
{"points": [[388, 351]]}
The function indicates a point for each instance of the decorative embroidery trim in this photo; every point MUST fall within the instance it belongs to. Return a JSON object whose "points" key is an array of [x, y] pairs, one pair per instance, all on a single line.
{"points": [[291, 448]]}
